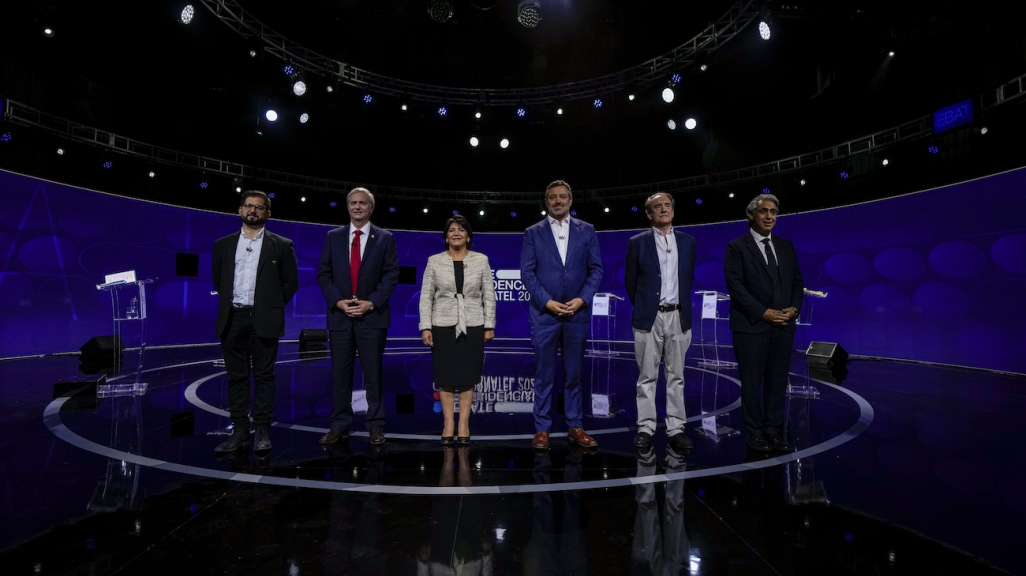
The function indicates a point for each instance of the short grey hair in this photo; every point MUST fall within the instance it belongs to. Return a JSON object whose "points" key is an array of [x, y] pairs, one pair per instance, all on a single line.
{"points": [[761, 198], [651, 199], [365, 191]]}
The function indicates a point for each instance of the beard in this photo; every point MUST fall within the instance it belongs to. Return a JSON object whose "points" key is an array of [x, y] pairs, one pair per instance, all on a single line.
{"points": [[254, 220]]}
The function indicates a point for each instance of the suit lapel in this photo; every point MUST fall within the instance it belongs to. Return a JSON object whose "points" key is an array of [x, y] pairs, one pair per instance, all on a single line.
{"points": [[549, 240], [574, 230], [652, 250], [265, 252]]}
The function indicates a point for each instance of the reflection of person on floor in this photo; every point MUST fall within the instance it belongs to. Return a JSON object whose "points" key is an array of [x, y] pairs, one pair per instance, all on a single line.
{"points": [[457, 317], [355, 542], [558, 544], [660, 547], [255, 274], [465, 552]]}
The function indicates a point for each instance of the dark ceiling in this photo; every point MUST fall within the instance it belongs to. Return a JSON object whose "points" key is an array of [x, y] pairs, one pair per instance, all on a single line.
{"points": [[131, 68]]}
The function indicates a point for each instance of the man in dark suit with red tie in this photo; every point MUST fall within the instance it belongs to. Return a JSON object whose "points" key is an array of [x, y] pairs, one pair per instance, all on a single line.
{"points": [[255, 274], [766, 288], [358, 270]]}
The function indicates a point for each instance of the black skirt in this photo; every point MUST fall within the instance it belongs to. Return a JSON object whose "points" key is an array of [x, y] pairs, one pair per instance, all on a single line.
{"points": [[457, 362]]}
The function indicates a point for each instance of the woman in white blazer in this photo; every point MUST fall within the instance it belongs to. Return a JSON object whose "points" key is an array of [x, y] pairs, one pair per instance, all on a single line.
{"points": [[457, 317]]}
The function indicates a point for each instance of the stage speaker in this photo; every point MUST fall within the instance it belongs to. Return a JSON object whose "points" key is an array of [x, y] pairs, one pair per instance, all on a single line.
{"points": [[825, 355], [313, 340], [79, 390], [102, 354], [103, 345]]}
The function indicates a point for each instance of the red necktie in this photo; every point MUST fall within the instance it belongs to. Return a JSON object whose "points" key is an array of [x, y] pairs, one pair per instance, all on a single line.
{"points": [[354, 260]]}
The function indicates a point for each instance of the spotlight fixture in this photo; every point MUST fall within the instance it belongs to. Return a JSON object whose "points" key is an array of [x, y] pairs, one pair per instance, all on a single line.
{"points": [[764, 30], [606, 209], [731, 195], [703, 67], [332, 204], [675, 78], [425, 210], [933, 149], [48, 32], [289, 69], [237, 184], [252, 53], [477, 115], [543, 212], [529, 13], [801, 182], [668, 94], [690, 123], [152, 174], [845, 175], [512, 214], [598, 102], [481, 213], [204, 185], [107, 164], [187, 14], [455, 212], [890, 54], [6, 137], [404, 107], [270, 195], [521, 112], [671, 124], [504, 143], [559, 111], [329, 88], [630, 97], [474, 141], [60, 151], [766, 191], [304, 118], [443, 111], [440, 10], [299, 88], [302, 198], [698, 201], [391, 209], [271, 115], [984, 130], [367, 98], [885, 162], [634, 208], [573, 213]]}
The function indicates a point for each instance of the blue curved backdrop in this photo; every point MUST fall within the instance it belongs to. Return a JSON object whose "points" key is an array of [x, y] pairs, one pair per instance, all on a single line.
{"points": [[938, 275]]}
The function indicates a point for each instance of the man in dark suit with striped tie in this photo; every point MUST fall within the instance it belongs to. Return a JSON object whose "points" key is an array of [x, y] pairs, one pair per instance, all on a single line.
{"points": [[766, 287]]}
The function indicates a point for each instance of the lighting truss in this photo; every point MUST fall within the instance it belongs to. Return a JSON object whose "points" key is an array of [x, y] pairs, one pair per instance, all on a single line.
{"points": [[723, 30]]}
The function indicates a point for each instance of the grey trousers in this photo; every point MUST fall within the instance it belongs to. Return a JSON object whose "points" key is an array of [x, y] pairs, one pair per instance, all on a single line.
{"points": [[665, 343]]}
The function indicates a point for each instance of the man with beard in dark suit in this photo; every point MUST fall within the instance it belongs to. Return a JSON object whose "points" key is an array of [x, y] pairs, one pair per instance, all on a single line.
{"points": [[255, 274]]}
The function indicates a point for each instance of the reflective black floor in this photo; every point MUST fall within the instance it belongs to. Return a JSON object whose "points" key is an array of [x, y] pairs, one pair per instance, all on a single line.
{"points": [[900, 469]]}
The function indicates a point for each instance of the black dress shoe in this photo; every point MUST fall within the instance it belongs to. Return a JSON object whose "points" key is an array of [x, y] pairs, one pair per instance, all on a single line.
{"points": [[377, 437], [262, 440], [759, 444], [681, 443], [463, 441], [448, 440], [238, 439], [333, 437], [778, 443], [643, 441]]}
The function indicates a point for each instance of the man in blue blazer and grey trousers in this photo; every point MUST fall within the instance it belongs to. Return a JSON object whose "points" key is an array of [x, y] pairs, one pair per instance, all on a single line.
{"points": [[358, 270], [561, 266], [658, 273]]}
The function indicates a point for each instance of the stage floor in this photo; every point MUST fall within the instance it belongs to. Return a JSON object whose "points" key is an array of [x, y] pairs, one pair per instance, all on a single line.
{"points": [[899, 469]]}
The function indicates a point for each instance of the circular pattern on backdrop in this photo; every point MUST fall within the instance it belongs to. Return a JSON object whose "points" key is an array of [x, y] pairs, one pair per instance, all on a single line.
{"points": [[958, 260], [1009, 253], [884, 299], [937, 300], [899, 264], [848, 267], [52, 419]]}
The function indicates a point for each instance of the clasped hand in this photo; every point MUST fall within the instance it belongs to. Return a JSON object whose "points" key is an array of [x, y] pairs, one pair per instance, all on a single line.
{"points": [[778, 317], [354, 308], [564, 310]]}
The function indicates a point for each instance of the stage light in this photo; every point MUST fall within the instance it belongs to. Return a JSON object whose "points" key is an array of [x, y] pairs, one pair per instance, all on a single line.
{"points": [[152, 174], [425, 210], [766, 190], [559, 111], [731, 195], [253, 54], [698, 201], [481, 213], [890, 54], [302, 198], [204, 185], [512, 214], [504, 143], [675, 78], [529, 13], [60, 151], [630, 97], [573, 213], [367, 98], [885, 162], [443, 111], [48, 32], [271, 115], [668, 95], [289, 69], [329, 88], [671, 124], [764, 30], [598, 102], [477, 115], [107, 164], [984, 130], [304, 118], [606, 210], [703, 67], [391, 209], [933, 149], [474, 141], [6, 137], [271, 195], [690, 123], [845, 175], [521, 112], [440, 10], [802, 182], [455, 212], [333, 204], [404, 107], [543, 212], [187, 14], [634, 208], [299, 88]]}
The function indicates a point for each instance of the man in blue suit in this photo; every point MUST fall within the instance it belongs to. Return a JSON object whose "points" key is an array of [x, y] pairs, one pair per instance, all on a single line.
{"points": [[561, 266], [658, 274], [358, 270], [766, 291]]}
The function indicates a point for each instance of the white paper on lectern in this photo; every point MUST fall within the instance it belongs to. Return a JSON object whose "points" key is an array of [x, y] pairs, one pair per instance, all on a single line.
{"points": [[600, 305], [709, 305], [127, 276]]}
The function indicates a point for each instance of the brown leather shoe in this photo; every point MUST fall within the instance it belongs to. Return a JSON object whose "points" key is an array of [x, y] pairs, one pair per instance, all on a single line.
{"points": [[541, 440], [580, 437], [333, 437]]}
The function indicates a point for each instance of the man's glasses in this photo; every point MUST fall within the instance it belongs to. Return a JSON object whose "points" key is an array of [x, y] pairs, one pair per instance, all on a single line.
{"points": [[248, 207]]}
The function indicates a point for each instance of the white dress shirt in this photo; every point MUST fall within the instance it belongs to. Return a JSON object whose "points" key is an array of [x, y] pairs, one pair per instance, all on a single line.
{"points": [[363, 239], [666, 250], [247, 257], [762, 247], [561, 233]]}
